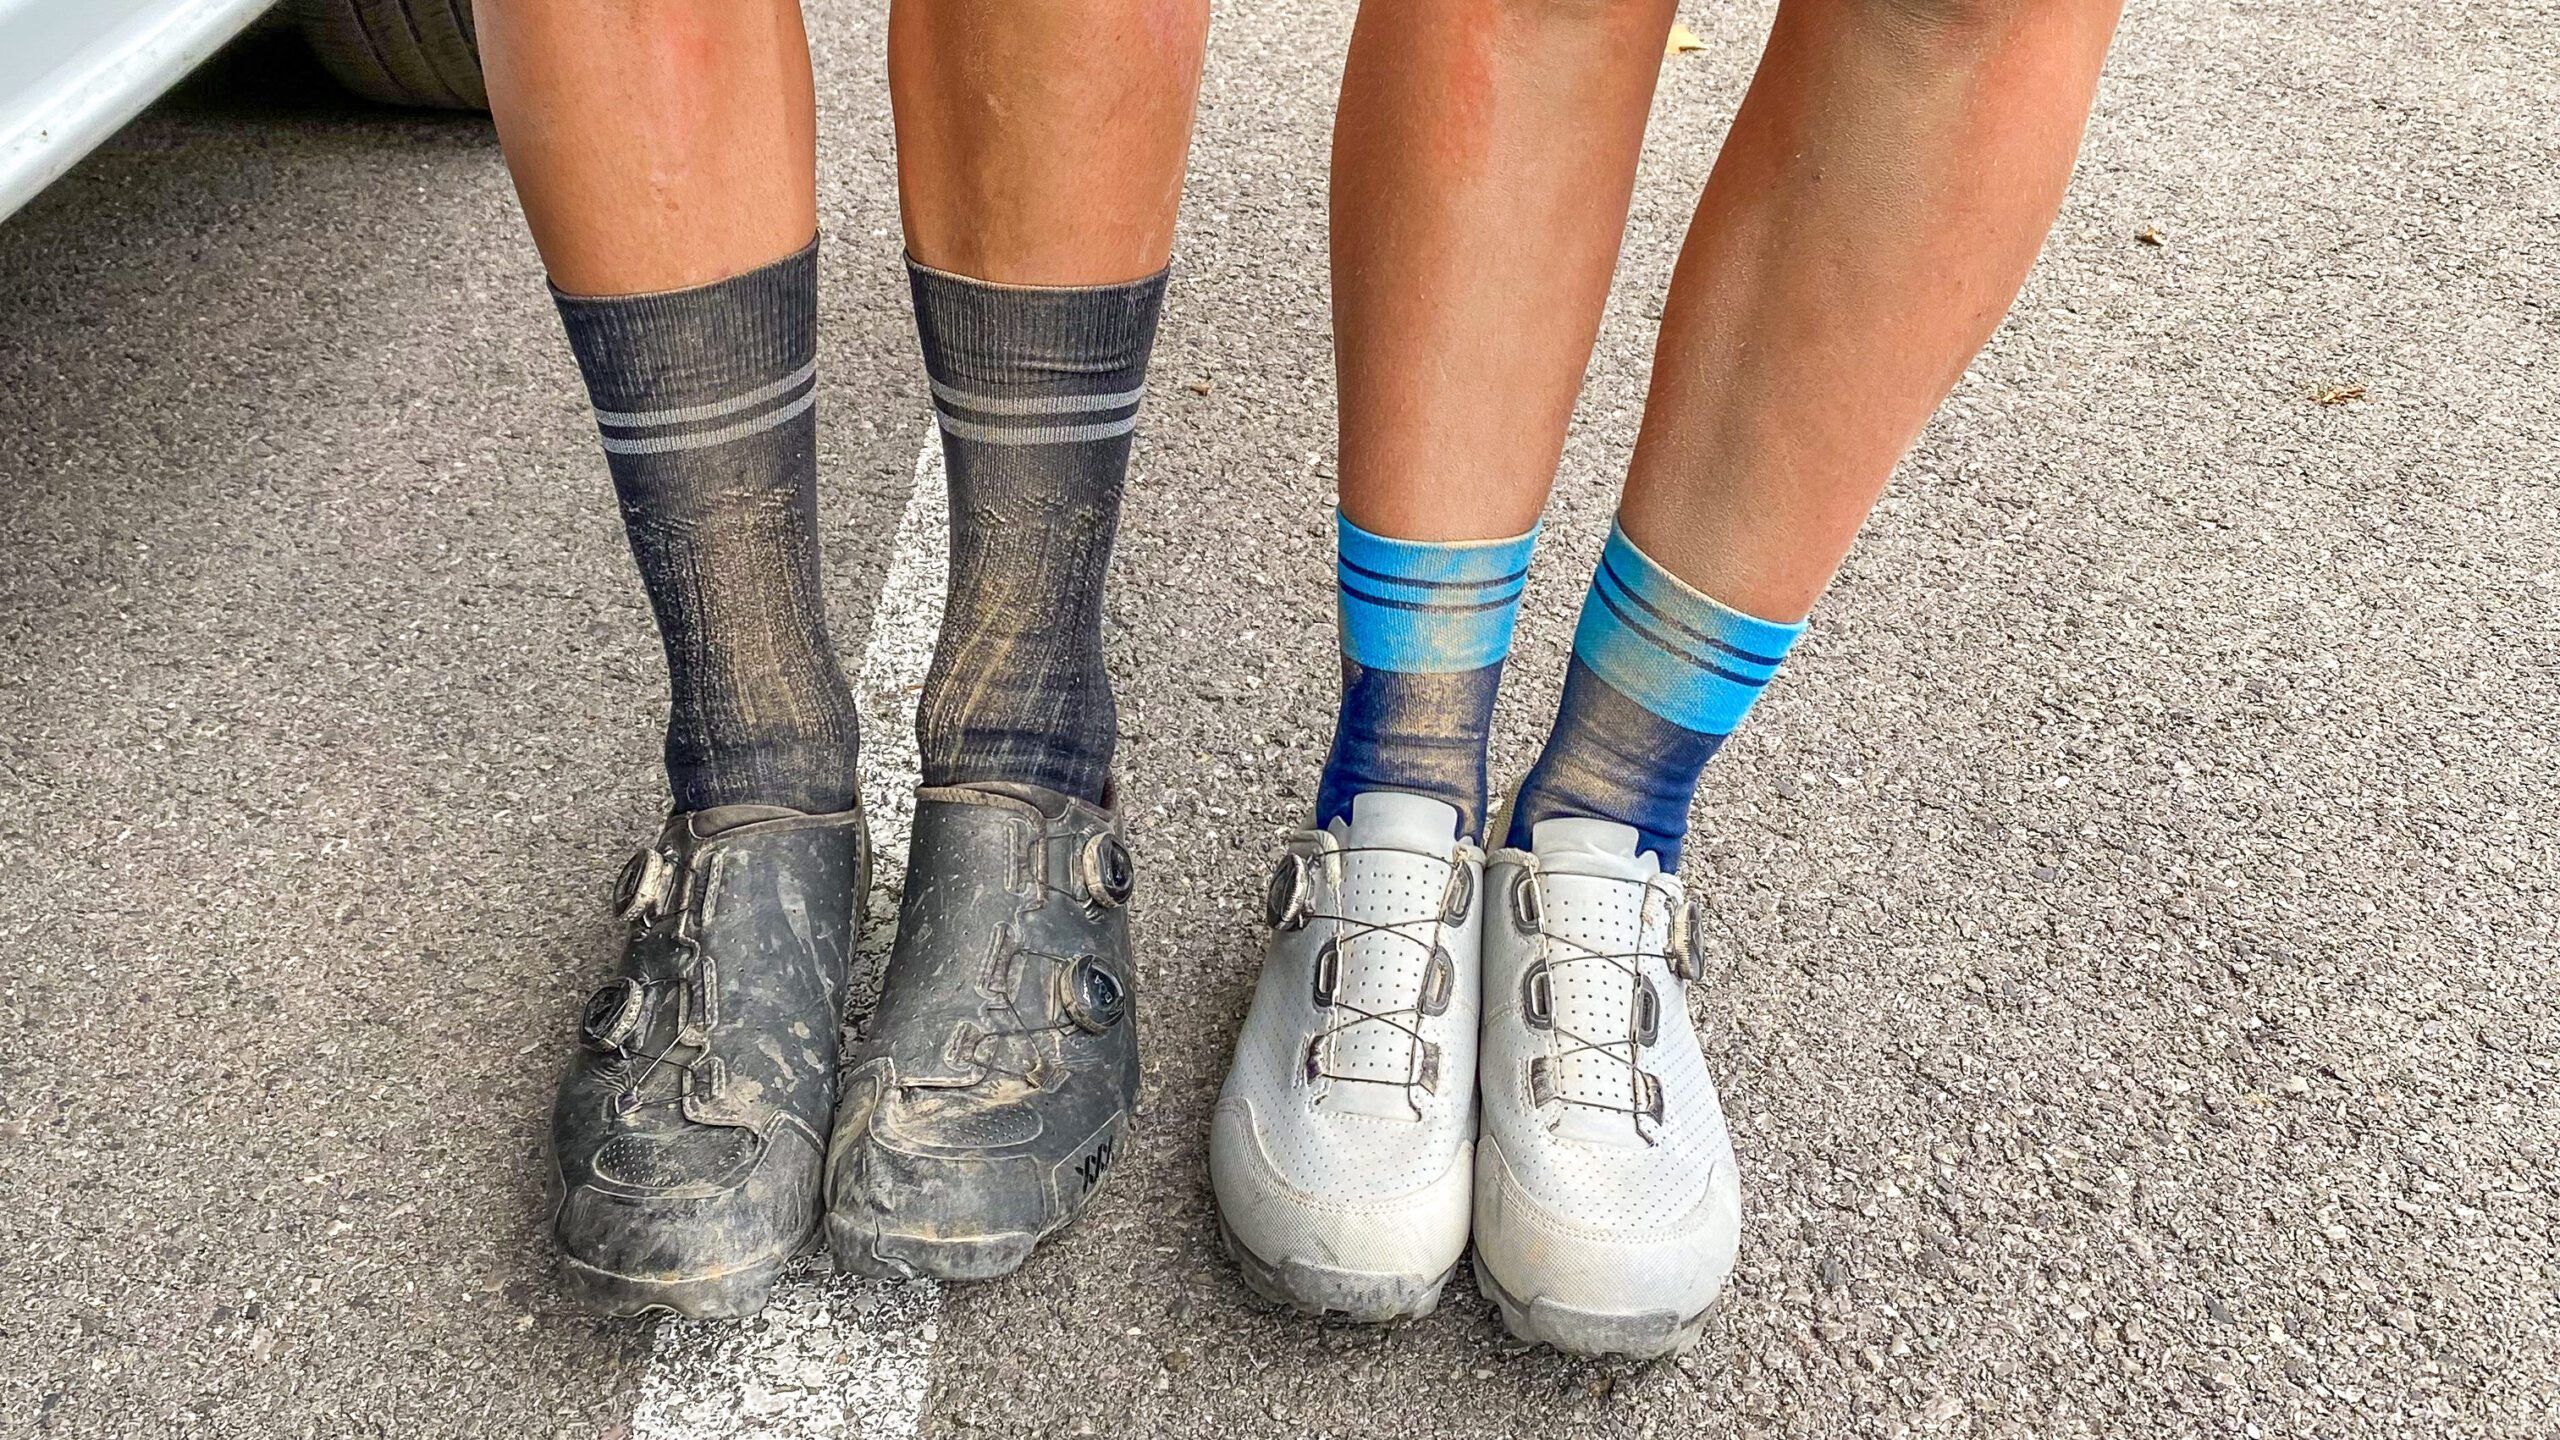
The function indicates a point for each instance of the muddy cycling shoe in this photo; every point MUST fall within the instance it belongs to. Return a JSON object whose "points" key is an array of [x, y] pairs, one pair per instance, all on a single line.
{"points": [[1002, 1063], [691, 1129]]}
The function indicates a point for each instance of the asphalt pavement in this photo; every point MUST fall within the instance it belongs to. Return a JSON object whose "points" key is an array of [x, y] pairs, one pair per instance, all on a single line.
{"points": [[2135, 996]]}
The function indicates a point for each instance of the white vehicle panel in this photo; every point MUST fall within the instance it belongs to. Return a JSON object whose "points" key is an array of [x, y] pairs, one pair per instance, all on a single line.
{"points": [[72, 71]]}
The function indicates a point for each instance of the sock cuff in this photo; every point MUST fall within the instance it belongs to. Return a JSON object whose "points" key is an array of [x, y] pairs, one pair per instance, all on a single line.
{"points": [[1425, 607], [1035, 340], [733, 348], [1671, 648]]}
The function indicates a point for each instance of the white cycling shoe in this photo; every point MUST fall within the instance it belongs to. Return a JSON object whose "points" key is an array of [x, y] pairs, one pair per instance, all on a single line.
{"points": [[1343, 1150], [1607, 1204]]}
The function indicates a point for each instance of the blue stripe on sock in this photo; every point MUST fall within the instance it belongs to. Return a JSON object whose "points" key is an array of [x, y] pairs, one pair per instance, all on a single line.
{"points": [[1706, 649], [1618, 612], [1428, 609], [1744, 637], [1384, 577], [1444, 607], [1677, 653]]}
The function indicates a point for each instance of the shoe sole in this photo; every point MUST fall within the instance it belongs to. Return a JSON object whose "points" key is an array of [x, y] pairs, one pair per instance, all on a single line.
{"points": [[1325, 1292], [1640, 1335], [868, 1246], [731, 1295]]}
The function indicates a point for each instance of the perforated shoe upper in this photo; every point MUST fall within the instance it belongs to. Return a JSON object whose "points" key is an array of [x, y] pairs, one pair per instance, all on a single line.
{"points": [[1611, 1175], [1347, 1122]]}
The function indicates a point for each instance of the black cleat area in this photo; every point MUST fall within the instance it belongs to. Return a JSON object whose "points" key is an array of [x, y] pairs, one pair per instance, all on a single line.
{"points": [[996, 1085], [690, 1130]]}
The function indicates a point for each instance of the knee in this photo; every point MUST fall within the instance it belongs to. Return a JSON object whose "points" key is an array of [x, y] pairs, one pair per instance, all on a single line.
{"points": [[1932, 23], [1633, 15]]}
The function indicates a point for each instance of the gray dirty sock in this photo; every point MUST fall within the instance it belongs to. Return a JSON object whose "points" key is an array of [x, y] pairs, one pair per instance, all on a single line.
{"points": [[1036, 390], [705, 398]]}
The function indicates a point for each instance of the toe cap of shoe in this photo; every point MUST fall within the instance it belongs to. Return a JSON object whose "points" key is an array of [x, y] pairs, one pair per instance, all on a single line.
{"points": [[1420, 1231], [960, 1186], [676, 1232], [1538, 1248]]}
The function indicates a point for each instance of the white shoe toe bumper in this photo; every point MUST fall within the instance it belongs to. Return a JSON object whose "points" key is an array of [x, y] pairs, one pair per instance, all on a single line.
{"points": [[1377, 1258], [1596, 1290]]}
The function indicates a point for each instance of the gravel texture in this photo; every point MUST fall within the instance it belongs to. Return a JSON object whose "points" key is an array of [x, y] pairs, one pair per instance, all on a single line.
{"points": [[2137, 1016]]}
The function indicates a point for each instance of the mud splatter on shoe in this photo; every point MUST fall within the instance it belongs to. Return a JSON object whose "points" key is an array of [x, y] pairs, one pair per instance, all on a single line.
{"points": [[995, 1089], [691, 1128]]}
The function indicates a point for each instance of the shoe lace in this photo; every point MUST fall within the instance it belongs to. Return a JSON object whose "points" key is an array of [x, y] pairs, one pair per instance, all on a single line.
{"points": [[1003, 1018], [638, 1066], [1421, 1067], [1639, 1097]]}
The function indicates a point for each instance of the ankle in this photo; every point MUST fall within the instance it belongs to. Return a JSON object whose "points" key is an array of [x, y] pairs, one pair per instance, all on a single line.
{"points": [[972, 729], [813, 774], [1036, 391], [1425, 629], [1411, 734], [1661, 674]]}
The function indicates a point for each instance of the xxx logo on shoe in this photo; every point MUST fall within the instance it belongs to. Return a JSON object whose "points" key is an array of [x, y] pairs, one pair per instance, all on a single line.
{"points": [[1095, 1161]]}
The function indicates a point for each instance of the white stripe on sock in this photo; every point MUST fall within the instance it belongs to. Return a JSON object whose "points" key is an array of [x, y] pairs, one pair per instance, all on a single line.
{"points": [[1034, 404], [663, 444], [1034, 435], [710, 409]]}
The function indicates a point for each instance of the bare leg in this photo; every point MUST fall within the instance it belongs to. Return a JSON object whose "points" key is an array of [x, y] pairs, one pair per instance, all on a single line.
{"points": [[1881, 193], [1884, 187], [1888, 181], [1482, 164], [664, 153], [1043, 144], [1040, 150], [656, 144]]}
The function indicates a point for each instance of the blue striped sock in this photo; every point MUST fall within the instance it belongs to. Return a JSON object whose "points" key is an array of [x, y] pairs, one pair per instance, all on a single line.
{"points": [[1425, 629], [1660, 676]]}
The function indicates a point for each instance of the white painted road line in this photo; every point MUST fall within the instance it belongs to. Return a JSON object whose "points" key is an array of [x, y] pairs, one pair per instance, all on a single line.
{"points": [[831, 1357]]}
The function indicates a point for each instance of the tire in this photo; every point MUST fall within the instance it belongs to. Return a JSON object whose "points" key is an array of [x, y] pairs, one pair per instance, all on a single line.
{"points": [[398, 52]]}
